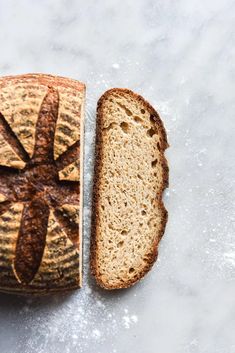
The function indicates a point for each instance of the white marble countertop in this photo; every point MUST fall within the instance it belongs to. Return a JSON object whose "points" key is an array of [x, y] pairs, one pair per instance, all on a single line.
{"points": [[180, 56]]}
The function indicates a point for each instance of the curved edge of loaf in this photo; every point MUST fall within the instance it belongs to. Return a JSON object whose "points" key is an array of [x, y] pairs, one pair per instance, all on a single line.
{"points": [[44, 79], [95, 200]]}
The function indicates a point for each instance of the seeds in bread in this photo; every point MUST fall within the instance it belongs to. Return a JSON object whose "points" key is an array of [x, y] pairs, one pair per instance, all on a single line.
{"points": [[131, 174]]}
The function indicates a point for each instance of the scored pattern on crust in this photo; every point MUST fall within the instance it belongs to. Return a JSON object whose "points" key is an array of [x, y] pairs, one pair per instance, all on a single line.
{"points": [[60, 259], [66, 132], [8, 156], [39, 232], [71, 172], [20, 104], [9, 225]]}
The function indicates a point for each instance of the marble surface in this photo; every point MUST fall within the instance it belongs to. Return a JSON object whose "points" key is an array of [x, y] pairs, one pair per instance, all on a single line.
{"points": [[180, 56]]}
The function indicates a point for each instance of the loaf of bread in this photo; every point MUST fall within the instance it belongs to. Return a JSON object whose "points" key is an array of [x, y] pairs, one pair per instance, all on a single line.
{"points": [[41, 154], [130, 176]]}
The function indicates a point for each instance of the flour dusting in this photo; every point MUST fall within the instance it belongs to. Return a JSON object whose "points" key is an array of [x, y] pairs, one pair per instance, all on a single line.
{"points": [[116, 66]]}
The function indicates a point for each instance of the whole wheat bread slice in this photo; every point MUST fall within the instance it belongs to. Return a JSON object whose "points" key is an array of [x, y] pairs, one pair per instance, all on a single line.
{"points": [[131, 174]]}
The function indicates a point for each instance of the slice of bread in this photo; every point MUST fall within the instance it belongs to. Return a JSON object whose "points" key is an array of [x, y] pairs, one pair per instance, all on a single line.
{"points": [[131, 174]]}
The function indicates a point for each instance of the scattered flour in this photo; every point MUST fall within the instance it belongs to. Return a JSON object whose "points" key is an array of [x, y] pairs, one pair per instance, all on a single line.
{"points": [[129, 320], [116, 66], [75, 321], [230, 257], [96, 333], [134, 318]]}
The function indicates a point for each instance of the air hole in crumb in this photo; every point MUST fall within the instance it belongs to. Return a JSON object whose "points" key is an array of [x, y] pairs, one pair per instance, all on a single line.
{"points": [[141, 224], [154, 163], [125, 127], [143, 212], [138, 119], [102, 207], [139, 176], [142, 111], [131, 270], [125, 204], [110, 126], [124, 232], [120, 244], [150, 221], [151, 132], [158, 146]]}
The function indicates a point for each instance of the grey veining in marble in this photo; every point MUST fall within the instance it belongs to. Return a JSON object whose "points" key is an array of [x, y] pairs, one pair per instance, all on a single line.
{"points": [[180, 56]]}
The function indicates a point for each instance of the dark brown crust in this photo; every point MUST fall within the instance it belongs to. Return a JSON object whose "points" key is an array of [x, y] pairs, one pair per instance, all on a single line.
{"points": [[26, 256], [31, 239], [96, 182]]}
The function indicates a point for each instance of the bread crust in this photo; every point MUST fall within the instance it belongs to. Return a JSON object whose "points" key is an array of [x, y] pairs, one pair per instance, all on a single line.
{"points": [[44, 79], [51, 82], [96, 183]]}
